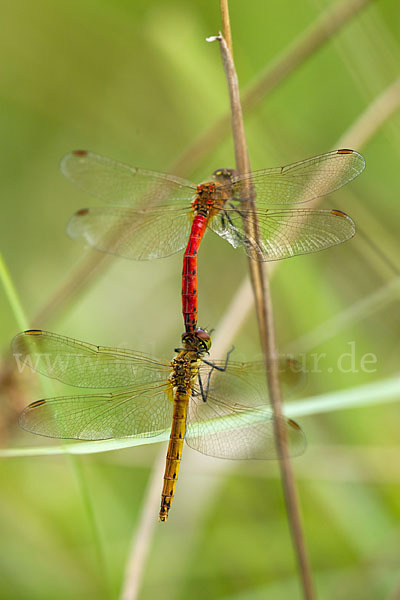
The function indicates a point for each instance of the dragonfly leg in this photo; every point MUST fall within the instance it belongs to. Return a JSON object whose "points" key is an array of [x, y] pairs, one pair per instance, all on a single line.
{"points": [[217, 367], [234, 208], [225, 216], [238, 235], [205, 389], [242, 238], [204, 393]]}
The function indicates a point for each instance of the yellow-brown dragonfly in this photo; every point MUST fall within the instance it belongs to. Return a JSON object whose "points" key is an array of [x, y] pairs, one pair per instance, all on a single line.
{"points": [[221, 408]]}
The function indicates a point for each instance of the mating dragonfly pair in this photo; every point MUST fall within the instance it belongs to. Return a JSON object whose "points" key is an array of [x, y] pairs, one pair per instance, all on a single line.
{"points": [[220, 408]]}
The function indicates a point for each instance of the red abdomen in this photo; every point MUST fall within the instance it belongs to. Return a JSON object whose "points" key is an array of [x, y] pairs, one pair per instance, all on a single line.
{"points": [[189, 273]]}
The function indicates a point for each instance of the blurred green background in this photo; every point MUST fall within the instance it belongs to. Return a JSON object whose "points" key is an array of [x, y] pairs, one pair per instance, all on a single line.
{"points": [[137, 82]]}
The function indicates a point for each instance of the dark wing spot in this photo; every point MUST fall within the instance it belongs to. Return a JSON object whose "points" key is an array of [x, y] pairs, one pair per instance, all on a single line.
{"points": [[37, 403], [338, 213]]}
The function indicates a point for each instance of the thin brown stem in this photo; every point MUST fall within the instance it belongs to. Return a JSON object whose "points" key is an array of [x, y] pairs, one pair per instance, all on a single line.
{"points": [[264, 310], [144, 532], [226, 24]]}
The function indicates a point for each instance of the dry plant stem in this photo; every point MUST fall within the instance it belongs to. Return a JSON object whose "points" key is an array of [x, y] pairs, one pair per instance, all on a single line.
{"points": [[143, 534], [223, 4], [325, 26], [265, 318]]}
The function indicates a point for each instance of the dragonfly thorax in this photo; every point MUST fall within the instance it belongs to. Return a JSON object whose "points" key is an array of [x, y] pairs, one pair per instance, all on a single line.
{"points": [[184, 370], [210, 198], [205, 199]]}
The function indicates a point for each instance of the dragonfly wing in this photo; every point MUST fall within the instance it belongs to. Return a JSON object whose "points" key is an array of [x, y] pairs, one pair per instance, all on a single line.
{"points": [[118, 183], [304, 180], [139, 235], [86, 365], [236, 421], [291, 371], [285, 232], [144, 413], [237, 432], [229, 225]]}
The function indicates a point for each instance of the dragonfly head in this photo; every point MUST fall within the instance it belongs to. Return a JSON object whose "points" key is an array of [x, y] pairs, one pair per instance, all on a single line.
{"points": [[224, 175], [198, 340]]}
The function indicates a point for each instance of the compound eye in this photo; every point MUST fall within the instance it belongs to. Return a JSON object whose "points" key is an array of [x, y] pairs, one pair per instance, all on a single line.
{"points": [[202, 334], [204, 337]]}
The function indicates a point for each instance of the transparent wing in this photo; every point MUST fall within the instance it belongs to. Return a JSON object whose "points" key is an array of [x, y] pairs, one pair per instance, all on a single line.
{"points": [[132, 234], [304, 180], [85, 365], [235, 421], [100, 416], [122, 184], [285, 232], [291, 373]]}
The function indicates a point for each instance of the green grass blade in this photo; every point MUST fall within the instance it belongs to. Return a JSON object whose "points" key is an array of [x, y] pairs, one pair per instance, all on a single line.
{"points": [[381, 392], [12, 296]]}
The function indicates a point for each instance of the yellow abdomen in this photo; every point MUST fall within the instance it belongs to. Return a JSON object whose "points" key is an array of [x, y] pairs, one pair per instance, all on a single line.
{"points": [[174, 453]]}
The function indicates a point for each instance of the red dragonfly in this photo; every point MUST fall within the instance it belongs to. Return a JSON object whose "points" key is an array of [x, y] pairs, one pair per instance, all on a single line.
{"points": [[152, 215], [220, 407]]}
